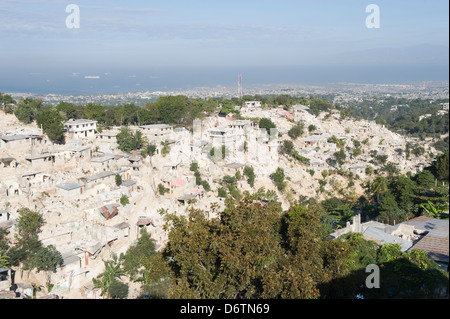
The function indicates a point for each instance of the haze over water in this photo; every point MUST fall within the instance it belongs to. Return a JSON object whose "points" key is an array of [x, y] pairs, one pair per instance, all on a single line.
{"points": [[125, 46]]}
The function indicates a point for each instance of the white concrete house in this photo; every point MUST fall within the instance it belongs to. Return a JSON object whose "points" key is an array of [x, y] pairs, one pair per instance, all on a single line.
{"points": [[253, 104], [70, 191], [157, 132], [78, 129]]}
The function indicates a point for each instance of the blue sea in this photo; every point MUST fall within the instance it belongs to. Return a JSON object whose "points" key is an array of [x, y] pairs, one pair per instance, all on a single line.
{"points": [[116, 80]]}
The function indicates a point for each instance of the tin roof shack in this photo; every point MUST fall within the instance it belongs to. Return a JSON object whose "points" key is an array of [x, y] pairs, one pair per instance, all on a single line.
{"points": [[79, 152], [434, 238], [107, 161], [375, 231], [194, 194], [19, 142], [128, 186], [41, 161], [101, 182], [109, 211], [98, 183], [70, 191]]}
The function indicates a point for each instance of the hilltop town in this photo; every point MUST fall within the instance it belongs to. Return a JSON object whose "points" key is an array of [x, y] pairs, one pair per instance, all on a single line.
{"points": [[95, 198]]}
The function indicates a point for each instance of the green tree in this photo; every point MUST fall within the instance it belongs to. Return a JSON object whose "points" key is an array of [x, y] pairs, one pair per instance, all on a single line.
{"points": [[95, 112], [340, 156], [4, 263], [193, 167], [442, 167], [312, 128], [128, 142], [287, 147], [173, 109], [296, 131], [24, 113], [110, 275], [67, 110], [405, 275], [130, 114], [47, 259], [29, 223], [52, 124], [278, 178], [166, 149], [118, 180], [317, 105], [404, 190], [135, 257], [149, 150], [6, 98], [267, 124], [390, 213], [379, 187], [222, 192], [356, 152], [124, 200], [118, 290], [425, 179], [224, 257], [432, 211], [249, 172]]}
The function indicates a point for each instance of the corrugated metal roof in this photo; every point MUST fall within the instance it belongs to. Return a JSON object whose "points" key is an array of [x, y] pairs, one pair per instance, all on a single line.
{"points": [[379, 236], [109, 211], [436, 241], [17, 137], [69, 186]]}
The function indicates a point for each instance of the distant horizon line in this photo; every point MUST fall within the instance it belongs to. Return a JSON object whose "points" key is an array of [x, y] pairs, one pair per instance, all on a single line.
{"points": [[252, 87]]}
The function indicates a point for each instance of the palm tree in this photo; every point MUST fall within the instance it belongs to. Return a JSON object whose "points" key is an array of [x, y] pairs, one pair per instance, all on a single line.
{"points": [[380, 187], [4, 260], [110, 275], [431, 210]]}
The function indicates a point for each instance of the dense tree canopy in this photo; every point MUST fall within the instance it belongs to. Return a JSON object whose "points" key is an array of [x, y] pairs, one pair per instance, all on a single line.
{"points": [[52, 124], [259, 251]]}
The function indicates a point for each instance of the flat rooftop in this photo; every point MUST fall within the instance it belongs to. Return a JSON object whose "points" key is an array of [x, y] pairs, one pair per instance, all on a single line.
{"points": [[79, 121], [70, 186]]}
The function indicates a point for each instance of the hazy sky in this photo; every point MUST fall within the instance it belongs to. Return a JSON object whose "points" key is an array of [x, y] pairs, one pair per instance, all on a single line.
{"points": [[226, 33]]}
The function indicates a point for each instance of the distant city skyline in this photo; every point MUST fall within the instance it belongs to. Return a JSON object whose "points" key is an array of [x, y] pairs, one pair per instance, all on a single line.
{"points": [[146, 45]]}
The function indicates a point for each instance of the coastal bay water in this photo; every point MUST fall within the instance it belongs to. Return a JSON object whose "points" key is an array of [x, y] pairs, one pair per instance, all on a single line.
{"points": [[117, 80]]}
